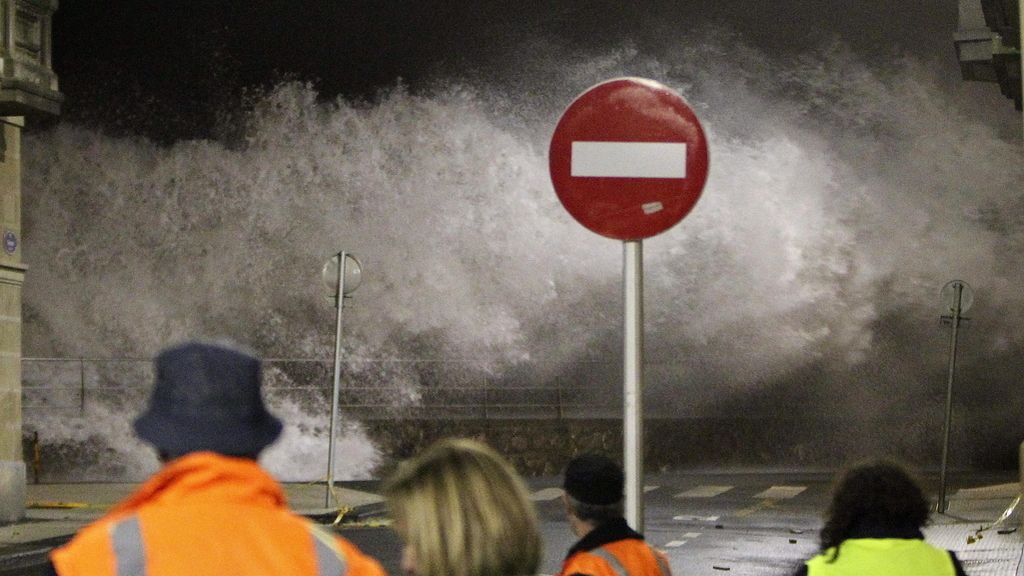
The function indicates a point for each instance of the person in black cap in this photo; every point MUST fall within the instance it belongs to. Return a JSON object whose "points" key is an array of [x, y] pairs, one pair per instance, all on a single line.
{"points": [[211, 509], [607, 546]]}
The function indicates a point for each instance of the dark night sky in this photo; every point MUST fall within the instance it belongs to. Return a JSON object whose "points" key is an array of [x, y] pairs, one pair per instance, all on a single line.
{"points": [[168, 67]]}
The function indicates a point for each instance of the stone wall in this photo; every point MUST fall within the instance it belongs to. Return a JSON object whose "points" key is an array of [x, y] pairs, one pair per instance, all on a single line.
{"points": [[542, 447]]}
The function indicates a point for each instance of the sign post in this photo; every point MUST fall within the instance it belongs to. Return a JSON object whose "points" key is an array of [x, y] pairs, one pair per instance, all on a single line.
{"points": [[341, 274], [628, 160], [633, 379]]}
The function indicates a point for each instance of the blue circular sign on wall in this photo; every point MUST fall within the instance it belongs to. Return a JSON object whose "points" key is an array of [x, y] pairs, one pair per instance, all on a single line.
{"points": [[10, 242]]}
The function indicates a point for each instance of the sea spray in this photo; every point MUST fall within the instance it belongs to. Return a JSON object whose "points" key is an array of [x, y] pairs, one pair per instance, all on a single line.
{"points": [[838, 203]]}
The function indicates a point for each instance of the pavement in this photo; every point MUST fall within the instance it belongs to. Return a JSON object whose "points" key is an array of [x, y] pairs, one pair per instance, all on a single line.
{"points": [[750, 523]]}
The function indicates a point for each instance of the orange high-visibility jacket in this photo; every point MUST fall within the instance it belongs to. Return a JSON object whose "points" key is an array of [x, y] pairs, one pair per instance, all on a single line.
{"points": [[630, 557], [208, 514]]}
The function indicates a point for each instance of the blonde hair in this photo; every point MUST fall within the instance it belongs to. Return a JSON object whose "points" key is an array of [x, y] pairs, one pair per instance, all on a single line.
{"points": [[464, 512]]}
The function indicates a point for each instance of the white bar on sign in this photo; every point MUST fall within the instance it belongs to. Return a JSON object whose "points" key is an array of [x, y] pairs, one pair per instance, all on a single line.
{"points": [[629, 159]]}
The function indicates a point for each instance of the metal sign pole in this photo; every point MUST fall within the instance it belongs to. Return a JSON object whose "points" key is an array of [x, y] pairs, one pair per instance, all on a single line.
{"points": [[340, 296], [633, 381], [957, 300]]}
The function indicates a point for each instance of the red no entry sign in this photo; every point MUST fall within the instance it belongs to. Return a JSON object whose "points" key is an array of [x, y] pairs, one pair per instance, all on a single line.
{"points": [[628, 158]]}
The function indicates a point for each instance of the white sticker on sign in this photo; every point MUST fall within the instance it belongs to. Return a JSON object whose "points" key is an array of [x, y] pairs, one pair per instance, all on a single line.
{"points": [[629, 159]]}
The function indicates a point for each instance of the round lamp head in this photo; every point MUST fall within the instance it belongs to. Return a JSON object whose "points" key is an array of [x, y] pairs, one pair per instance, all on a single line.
{"points": [[353, 275]]}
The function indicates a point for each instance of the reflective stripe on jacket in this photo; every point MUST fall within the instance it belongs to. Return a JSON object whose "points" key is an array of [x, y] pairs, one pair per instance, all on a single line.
{"points": [[621, 558], [883, 557], [207, 514]]}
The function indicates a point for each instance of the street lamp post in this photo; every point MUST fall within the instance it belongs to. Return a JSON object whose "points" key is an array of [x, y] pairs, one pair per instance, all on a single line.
{"points": [[342, 274], [957, 297]]}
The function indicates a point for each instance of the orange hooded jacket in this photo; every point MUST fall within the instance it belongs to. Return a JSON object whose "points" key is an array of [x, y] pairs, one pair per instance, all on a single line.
{"points": [[622, 558], [612, 548], [208, 514]]}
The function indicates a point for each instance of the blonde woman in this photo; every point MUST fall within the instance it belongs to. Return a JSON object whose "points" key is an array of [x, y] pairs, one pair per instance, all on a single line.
{"points": [[462, 510]]}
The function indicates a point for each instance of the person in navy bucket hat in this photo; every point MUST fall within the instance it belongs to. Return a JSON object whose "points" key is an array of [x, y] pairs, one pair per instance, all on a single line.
{"points": [[207, 398], [211, 509]]}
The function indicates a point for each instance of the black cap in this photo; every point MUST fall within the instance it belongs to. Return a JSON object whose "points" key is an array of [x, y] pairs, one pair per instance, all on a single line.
{"points": [[207, 398], [594, 479]]}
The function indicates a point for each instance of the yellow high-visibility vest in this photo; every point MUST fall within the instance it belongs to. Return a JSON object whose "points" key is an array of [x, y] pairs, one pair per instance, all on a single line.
{"points": [[883, 557]]}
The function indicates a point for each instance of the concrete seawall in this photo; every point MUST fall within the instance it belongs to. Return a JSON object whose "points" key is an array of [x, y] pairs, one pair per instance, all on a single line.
{"points": [[539, 447]]}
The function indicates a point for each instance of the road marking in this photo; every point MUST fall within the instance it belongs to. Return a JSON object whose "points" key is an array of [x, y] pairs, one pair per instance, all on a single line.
{"points": [[628, 159], [677, 543], [762, 505], [781, 492], [546, 494], [709, 491], [694, 518]]}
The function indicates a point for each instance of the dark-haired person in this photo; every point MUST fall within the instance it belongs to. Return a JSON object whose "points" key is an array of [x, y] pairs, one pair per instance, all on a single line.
{"points": [[211, 510], [607, 546], [873, 526]]}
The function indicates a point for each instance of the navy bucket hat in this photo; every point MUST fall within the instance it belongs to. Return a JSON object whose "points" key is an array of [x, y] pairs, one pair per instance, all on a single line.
{"points": [[207, 398]]}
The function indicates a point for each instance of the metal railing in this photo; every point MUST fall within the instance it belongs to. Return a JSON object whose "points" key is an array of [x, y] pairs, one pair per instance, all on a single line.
{"points": [[433, 388]]}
